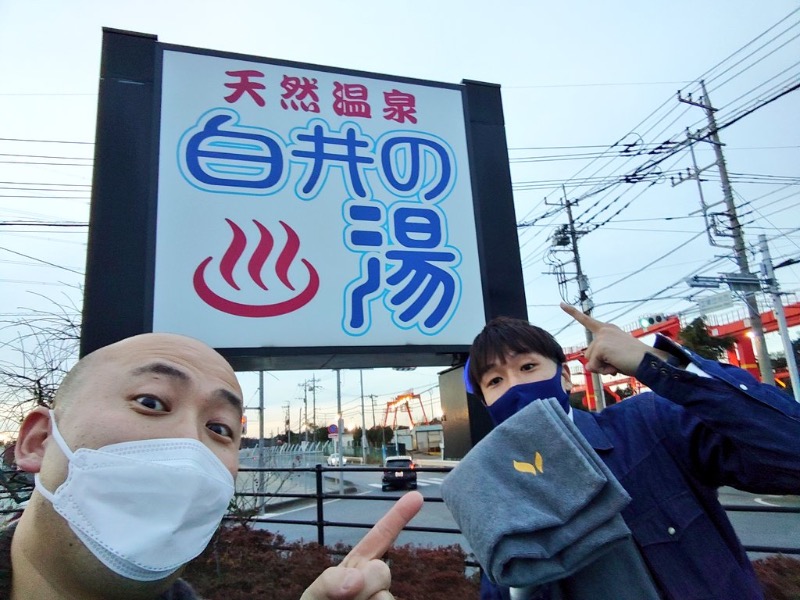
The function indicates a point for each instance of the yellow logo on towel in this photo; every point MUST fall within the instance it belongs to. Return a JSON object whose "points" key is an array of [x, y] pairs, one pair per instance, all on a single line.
{"points": [[537, 465]]}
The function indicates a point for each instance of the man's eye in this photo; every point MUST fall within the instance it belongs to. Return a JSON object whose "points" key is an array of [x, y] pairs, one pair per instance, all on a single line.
{"points": [[494, 381], [151, 402], [528, 367], [221, 429]]}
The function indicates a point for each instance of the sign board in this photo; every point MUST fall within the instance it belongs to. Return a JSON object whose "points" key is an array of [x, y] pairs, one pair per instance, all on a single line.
{"points": [[294, 215], [332, 429], [715, 302]]}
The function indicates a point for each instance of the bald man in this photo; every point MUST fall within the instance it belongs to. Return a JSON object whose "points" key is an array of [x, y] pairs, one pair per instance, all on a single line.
{"points": [[135, 467]]}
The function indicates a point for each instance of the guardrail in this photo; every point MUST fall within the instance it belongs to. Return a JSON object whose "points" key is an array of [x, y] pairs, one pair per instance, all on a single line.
{"points": [[320, 523], [9, 499]]}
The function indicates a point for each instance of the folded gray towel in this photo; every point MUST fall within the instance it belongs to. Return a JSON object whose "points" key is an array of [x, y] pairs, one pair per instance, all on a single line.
{"points": [[534, 500], [619, 574]]}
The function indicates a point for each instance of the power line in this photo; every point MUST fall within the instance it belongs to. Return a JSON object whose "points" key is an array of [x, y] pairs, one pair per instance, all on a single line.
{"points": [[41, 261], [2, 139]]}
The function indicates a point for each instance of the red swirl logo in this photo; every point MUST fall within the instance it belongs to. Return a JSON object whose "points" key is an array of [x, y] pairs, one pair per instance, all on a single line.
{"points": [[255, 267]]}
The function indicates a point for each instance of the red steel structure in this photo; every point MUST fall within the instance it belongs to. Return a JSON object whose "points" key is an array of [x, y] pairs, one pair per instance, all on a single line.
{"points": [[401, 402]]}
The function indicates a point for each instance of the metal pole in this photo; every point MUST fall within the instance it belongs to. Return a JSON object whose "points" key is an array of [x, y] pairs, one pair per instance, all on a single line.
{"points": [[340, 425], [774, 290], [764, 364], [363, 420], [314, 404], [261, 478], [586, 301], [320, 513], [305, 405]]}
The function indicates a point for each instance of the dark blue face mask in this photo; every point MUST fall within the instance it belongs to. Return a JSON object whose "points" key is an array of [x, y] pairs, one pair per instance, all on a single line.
{"points": [[518, 397]]}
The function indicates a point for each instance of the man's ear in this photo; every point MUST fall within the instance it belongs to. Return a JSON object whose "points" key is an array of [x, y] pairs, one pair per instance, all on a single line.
{"points": [[566, 377], [31, 443]]}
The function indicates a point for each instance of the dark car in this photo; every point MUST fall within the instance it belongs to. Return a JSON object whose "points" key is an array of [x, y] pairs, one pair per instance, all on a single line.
{"points": [[398, 472]]}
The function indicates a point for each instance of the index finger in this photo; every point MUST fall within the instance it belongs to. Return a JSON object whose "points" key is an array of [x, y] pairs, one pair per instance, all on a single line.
{"points": [[385, 532], [590, 323]]}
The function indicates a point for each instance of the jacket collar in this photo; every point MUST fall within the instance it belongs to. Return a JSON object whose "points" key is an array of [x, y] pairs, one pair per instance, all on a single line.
{"points": [[587, 425]]}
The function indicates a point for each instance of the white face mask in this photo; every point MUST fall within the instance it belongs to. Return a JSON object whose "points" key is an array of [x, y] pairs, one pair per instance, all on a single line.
{"points": [[143, 508]]}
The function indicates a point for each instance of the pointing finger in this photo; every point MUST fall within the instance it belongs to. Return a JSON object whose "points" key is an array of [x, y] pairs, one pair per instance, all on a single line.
{"points": [[590, 323], [383, 534]]}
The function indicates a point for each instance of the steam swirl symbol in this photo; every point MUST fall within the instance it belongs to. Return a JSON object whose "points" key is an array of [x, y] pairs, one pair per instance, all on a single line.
{"points": [[254, 268]]}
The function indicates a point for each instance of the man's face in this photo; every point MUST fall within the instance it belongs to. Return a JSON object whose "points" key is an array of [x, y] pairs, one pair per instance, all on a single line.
{"points": [[515, 369], [155, 386]]}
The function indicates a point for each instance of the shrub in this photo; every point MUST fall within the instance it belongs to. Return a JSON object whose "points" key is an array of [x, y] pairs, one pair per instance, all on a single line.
{"points": [[779, 576], [241, 564]]}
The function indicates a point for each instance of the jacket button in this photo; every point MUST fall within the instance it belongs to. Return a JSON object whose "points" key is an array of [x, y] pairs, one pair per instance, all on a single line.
{"points": [[671, 531], [743, 386]]}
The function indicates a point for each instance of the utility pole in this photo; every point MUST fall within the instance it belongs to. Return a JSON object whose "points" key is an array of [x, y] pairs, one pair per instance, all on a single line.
{"points": [[363, 420], [305, 405], [372, 397], [299, 421], [773, 289], [314, 387], [764, 364], [261, 474], [340, 424], [288, 423], [586, 302]]}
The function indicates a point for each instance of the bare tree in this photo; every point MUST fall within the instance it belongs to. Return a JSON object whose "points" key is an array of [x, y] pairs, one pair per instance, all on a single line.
{"points": [[37, 351]]}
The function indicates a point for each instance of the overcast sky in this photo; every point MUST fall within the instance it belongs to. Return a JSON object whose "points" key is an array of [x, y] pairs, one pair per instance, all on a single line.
{"points": [[589, 92]]}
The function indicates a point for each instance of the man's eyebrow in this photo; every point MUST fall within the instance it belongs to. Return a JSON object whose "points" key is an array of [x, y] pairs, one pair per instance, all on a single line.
{"points": [[159, 368], [231, 398]]}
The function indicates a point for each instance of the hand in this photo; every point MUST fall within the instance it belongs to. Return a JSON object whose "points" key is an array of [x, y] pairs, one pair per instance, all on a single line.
{"points": [[362, 575], [612, 350]]}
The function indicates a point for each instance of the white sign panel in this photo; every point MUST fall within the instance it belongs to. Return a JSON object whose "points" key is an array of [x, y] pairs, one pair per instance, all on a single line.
{"points": [[720, 301], [301, 207]]}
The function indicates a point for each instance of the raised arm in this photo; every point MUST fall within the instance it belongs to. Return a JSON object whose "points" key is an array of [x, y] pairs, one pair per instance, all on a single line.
{"points": [[750, 434]]}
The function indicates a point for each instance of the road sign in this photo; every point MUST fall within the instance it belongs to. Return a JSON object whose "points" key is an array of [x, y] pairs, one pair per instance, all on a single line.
{"points": [[721, 301], [332, 429]]}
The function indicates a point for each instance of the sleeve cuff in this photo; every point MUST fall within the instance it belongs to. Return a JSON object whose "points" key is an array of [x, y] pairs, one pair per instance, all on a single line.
{"points": [[679, 357]]}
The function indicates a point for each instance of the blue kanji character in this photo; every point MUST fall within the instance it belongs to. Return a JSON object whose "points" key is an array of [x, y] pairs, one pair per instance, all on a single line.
{"points": [[422, 286], [322, 155], [217, 154], [406, 159]]}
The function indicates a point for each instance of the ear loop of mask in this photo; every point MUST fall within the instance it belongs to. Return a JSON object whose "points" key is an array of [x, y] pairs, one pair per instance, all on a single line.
{"points": [[62, 444]]}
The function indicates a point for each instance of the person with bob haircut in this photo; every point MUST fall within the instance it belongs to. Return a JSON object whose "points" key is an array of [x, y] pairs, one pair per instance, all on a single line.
{"points": [[703, 425]]}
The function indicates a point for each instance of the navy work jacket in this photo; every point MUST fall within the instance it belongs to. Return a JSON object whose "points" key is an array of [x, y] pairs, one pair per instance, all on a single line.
{"points": [[673, 447]]}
